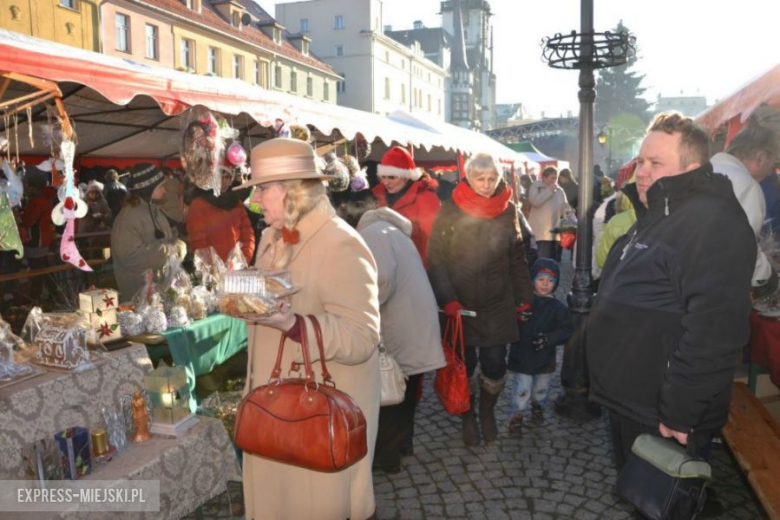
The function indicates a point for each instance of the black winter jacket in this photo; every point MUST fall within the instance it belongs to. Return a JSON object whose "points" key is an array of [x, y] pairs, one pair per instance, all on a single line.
{"points": [[673, 306], [550, 317], [481, 263]]}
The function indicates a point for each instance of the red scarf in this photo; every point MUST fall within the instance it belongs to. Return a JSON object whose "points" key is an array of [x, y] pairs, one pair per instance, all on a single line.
{"points": [[477, 206]]}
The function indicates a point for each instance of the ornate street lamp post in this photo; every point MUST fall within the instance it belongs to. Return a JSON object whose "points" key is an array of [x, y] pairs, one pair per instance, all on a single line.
{"points": [[585, 51]]}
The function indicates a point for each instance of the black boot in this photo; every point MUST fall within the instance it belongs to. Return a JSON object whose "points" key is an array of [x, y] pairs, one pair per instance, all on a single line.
{"points": [[469, 427], [491, 389]]}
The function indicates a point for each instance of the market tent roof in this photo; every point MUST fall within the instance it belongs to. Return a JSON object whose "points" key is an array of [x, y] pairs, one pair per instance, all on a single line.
{"points": [[94, 84], [528, 150], [459, 138], [764, 89]]}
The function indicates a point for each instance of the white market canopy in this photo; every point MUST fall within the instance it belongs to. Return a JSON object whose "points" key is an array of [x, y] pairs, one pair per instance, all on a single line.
{"points": [[459, 138], [122, 108]]}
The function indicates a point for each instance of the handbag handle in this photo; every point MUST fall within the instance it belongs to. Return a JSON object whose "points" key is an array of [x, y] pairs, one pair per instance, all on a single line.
{"points": [[454, 331], [277, 371], [326, 378]]}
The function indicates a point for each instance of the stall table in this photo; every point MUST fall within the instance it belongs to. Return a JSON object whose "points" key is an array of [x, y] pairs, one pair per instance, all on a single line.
{"points": [[764, 347], [202, 345], [191, 469]]}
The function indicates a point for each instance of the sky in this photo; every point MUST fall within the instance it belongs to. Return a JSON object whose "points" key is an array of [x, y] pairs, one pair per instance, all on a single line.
{"points": [[686, 47]]}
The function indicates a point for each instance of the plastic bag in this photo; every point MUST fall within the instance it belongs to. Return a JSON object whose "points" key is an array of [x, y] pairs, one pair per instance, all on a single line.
{"points": [[236, 261], [10, 342], [149, 295], [208, 266], [176, 286], [222, 406]]}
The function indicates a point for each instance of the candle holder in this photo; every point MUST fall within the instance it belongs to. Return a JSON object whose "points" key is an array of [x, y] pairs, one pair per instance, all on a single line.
{"points": [[167, 389]]}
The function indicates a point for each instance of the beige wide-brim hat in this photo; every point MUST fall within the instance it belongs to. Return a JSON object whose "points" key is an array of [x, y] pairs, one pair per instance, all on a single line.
{"points": [[282, 159]]}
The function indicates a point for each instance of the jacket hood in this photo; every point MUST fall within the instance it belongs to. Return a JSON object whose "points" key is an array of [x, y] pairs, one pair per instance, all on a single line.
{"points": [[386, 215]]}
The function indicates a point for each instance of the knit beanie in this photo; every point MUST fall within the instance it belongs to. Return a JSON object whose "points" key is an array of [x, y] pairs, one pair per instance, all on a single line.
{"points": [[398, 162], [143, 179], [546, 267]]}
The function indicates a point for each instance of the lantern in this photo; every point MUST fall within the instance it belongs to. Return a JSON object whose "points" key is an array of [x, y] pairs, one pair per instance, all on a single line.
{"points": [[169, 394]]}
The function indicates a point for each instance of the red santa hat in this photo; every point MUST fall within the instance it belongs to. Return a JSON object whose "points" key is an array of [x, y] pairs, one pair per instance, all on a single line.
{"points": [[398, 162]]}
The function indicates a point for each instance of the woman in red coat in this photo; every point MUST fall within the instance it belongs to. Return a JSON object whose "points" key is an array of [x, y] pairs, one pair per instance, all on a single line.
{"points": [[405, 189], [221, 221]]}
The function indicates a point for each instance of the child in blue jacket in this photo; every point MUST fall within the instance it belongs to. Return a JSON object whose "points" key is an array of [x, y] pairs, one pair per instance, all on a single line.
{"points": [[532, 359]]}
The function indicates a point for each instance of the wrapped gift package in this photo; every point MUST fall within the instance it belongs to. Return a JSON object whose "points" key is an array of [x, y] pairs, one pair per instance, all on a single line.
{"points": [[74, 452], [105, 325], [42, 461], [98, 300]]}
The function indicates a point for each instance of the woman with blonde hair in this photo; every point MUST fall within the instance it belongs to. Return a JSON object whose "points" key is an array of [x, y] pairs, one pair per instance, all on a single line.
{"points": [[476, 262], [337, 275]]}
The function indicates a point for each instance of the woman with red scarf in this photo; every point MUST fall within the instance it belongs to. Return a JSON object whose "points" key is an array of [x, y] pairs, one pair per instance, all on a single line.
{"points": [[405, 189], [476, 261]]}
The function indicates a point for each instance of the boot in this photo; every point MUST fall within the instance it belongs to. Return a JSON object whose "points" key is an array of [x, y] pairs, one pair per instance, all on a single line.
{"points": [[491, 389], [469, 419], [469, 428]]}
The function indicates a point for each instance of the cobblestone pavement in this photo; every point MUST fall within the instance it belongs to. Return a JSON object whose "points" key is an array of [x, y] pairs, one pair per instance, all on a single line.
{"points": [[558, 469]]}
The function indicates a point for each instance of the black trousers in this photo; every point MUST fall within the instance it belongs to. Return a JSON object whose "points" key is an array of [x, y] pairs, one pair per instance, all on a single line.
{"points": [[624, 432], [395, 426], [549, 249], [492, 361]]}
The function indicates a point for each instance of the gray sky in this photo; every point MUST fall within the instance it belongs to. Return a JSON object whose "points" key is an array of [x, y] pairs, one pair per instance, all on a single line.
{"points": [[697, 47]]}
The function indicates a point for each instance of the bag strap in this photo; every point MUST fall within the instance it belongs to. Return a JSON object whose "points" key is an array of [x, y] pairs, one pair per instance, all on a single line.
{"points": [[453, 335], [277, 371], [326, 378]]}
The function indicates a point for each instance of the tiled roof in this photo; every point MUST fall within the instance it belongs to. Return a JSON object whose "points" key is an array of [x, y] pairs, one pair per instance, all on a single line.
{"points": [[210, 17]]}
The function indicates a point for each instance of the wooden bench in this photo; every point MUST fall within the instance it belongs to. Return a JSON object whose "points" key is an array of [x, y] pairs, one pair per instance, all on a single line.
{"points": [[754, 438]]}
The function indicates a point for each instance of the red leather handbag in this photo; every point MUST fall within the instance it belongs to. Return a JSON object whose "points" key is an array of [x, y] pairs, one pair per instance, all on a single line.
{"points": [[299, 421], [452, 381]]}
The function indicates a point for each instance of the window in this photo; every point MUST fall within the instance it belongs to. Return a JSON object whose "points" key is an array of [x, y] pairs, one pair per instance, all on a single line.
{"points": [[122, 32], [152, 50], [387, 88], [70, 4], [214, 61], [277, 36], [429, 102], [439, 101], [264, 79], [387, 57], [341, 85], [278, 76], [257, 72], [309, 86], [294, 81], [238, 66], [338, 51], [305, 47], [338, 21], [304, 25], [403, 64], [326, 91], [187, 53], [403, 93]]}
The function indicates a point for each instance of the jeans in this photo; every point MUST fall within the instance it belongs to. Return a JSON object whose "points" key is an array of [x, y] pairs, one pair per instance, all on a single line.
{"points": [[527, 388], [492, 361]]}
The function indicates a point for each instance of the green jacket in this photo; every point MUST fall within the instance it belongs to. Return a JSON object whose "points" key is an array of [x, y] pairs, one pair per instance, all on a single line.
{"points": [[614, 229]]}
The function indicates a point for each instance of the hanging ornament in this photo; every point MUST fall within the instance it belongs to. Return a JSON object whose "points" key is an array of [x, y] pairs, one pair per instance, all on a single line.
{"points": [[280, 129], [70, 207], [362, 147], [300, 132], [236, 155], [9, 233]]}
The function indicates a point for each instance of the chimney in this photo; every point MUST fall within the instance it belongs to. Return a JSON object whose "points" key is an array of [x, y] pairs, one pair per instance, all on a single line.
{"points": [[418, 24]]}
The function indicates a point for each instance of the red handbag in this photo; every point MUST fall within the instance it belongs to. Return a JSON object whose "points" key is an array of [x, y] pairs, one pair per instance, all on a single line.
{"points": [[299, 421], [452, 381]]}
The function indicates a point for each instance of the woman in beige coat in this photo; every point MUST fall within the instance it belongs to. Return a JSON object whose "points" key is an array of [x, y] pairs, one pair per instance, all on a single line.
{"points": [[337, 275], [548, 206]]}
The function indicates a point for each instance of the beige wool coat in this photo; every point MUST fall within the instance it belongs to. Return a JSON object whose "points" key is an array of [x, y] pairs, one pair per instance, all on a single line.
{"points": [[338, 280], [547, 208]]}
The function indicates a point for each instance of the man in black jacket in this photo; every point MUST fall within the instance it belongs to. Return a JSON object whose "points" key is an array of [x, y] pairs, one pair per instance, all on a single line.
{"points": [[673, 306]]}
